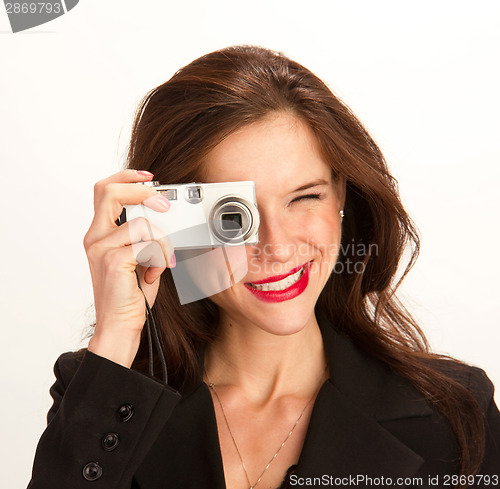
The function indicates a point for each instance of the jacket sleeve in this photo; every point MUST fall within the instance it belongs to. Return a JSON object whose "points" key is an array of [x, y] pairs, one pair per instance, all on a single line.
{"points": [[483, 389], [103, 421], [491, 462]]}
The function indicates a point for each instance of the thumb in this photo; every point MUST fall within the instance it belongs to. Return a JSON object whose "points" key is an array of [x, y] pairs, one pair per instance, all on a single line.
{"points": [[150, 281]]}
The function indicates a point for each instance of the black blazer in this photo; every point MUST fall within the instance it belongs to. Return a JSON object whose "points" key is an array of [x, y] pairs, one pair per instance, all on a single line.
{"points": [[111, 427]]}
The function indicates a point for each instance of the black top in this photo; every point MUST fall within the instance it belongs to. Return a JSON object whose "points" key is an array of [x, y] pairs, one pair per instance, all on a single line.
{"points": [[111, 427]]}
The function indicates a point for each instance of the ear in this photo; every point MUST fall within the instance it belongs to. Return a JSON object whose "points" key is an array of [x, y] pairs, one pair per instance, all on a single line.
{"points": [[339, 187]]}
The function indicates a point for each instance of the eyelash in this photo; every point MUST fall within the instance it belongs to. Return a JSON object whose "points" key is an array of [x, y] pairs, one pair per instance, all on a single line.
{"points": [[308, 196]]}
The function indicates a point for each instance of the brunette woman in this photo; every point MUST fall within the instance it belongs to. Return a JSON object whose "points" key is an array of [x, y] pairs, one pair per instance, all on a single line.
{"points": [[308, 367]]}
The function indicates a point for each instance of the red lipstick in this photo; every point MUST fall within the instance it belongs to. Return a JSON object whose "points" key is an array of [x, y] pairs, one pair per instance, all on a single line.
{"points": [[282, 295], [277, 278]]}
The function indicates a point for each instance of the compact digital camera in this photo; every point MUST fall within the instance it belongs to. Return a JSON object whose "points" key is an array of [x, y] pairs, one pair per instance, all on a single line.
{"points": [[204, 215]]}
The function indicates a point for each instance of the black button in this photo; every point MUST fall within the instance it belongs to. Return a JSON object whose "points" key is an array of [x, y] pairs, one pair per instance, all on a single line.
{"points": [[110, 442], [92, 471], [126, 412]]}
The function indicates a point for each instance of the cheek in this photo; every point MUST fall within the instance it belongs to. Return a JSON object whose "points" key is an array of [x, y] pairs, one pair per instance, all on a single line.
{"points": [[322, 233], [226, 299], [324, 237]]}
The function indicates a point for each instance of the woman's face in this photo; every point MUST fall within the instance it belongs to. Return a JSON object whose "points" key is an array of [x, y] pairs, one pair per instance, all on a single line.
{"points": [[300, 224]]}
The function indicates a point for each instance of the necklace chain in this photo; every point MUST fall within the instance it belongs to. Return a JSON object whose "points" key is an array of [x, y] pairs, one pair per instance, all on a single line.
{"points": [[250, 485]]}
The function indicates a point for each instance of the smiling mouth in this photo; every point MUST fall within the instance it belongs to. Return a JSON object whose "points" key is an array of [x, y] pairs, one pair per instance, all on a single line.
{"points": [[282, 284]]}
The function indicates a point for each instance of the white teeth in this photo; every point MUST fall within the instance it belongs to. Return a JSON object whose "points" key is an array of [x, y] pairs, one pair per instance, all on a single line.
{"points": [[281, 284]]}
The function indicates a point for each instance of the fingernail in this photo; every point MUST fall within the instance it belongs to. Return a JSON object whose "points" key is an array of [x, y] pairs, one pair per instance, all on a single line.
{"points": [[172, 261], [157, 203], [144, 173]]}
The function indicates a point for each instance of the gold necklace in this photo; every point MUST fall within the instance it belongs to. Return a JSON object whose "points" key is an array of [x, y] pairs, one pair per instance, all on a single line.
{"points": [[252, 486]]}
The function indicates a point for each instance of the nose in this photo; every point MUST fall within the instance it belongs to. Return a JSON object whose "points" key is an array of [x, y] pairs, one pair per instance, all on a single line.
{"points": [[276, 240]]}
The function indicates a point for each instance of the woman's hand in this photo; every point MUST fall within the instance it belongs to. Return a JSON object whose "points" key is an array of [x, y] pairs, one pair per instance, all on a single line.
{"points": [[113, 253]]}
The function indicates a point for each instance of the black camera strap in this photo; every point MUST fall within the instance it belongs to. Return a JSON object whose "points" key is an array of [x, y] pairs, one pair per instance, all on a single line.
{"points": [[152, 334]]}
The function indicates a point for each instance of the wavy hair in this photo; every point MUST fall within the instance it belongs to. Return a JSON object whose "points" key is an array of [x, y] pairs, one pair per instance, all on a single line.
{"points": [[182, 120]]}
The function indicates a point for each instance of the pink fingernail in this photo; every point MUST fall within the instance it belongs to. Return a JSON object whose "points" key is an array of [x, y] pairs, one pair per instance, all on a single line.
{"points": [[144, 173], [172, 261], [163, 201], [157, 203]]}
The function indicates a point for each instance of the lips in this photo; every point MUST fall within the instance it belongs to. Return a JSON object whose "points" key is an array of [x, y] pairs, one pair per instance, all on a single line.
{"points": [[290, 288], [277, 278]]}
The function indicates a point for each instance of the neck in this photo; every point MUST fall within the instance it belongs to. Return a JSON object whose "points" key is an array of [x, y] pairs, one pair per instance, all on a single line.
{"points": [[266, 366]]}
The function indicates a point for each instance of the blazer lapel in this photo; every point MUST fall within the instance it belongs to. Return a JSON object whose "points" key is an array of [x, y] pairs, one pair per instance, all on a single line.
{"points": [[343, 441], [186, 453], [345, 437]]}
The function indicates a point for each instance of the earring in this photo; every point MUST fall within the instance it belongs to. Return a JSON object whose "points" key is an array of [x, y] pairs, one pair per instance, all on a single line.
{"points": [[341, 213]]}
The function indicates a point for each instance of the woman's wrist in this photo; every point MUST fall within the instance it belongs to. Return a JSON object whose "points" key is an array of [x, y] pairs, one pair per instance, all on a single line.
{"points": [[120, 349]]}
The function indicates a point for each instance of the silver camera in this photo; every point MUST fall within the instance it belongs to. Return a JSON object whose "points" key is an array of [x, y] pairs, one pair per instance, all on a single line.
{"points": [[204, 215]]}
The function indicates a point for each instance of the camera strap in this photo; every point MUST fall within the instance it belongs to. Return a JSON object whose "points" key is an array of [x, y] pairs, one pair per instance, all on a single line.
{"points": [[152, 334]]}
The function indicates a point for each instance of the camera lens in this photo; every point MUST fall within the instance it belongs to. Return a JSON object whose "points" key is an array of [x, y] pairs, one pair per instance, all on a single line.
{"points": [[233, 220]]}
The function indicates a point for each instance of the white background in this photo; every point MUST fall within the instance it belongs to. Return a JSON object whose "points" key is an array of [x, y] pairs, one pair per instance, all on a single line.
{"points": [[423, 77]]}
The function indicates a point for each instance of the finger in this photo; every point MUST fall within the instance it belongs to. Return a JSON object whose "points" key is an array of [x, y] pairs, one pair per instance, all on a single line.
{"points": [[127, 176], [157, 203], [150, 254], [133, 233], [116, 261], [111, 197], [152, 274], [149, 282], [124, 176]]}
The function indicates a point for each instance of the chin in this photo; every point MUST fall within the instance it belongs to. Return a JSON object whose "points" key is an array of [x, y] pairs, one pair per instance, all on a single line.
{"points": [[282, 322], [285, 329]]}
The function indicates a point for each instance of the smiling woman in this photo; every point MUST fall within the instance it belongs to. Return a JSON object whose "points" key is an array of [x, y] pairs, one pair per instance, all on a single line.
{"points": [[308, 367], [281, 148]]}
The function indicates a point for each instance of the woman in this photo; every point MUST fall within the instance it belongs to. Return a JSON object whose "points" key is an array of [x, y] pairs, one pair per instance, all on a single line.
{"points": [[329, 377]]}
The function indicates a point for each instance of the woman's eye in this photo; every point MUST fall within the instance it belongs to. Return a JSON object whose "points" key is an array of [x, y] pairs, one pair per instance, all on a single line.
{"points": [[304, 197]]}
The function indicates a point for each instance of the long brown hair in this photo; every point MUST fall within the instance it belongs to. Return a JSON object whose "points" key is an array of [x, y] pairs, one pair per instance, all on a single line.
{"points": [[179, 122]]}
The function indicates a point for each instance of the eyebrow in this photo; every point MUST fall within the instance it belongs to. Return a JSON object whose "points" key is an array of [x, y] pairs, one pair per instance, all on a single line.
{"points": [[314, 183]]}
